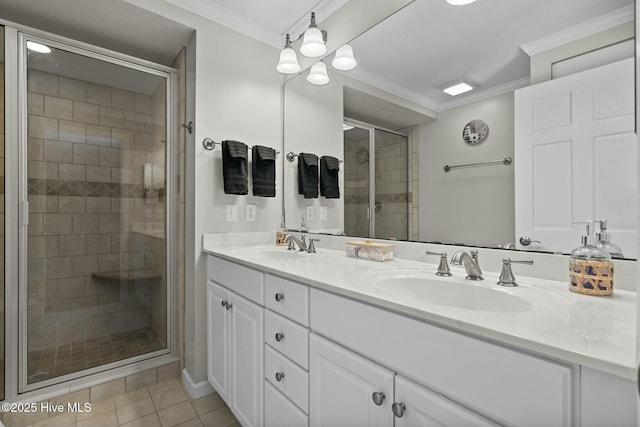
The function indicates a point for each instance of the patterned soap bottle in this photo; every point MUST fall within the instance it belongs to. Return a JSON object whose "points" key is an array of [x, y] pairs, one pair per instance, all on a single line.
{"points": [[590, 267]]}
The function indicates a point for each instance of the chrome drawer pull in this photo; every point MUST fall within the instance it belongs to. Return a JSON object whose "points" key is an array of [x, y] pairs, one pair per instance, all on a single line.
{"points": [[378, 397], [279, 296], [279, 376], [279, 336], [398, 409]]}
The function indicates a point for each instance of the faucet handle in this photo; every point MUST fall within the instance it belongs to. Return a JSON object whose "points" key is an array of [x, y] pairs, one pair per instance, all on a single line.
{"points": [[312, 248], [507, 278], [292, 245], [443, 267]]}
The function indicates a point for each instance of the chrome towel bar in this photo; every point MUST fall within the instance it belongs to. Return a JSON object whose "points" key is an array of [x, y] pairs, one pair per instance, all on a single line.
{"points": [[505, 161], [209, 144]]}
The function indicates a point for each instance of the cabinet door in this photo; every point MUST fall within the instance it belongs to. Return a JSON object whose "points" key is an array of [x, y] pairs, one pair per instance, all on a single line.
{"points": [[342, 385], [417, 406], [218, 339], [247, 361]]}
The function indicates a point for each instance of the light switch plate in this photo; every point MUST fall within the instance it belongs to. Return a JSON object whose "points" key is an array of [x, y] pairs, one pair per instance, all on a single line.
{"points": [[309, 213], [323, 213], [231, 213], [250, 213]]}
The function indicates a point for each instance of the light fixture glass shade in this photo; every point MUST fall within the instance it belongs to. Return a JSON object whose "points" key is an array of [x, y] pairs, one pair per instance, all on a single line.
{"points": [[460, 2], [37, 47], [344, 59], [313, 43], [318, 74], [288, 63]]}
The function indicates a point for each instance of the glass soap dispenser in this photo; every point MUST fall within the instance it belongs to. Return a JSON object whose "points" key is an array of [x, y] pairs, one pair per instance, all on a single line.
{"points": [[604, 241], [590, 267]]}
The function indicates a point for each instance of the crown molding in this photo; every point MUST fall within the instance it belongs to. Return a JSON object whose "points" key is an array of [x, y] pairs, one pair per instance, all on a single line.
{"points": [[323, 9], [468, 98], [601, 23], [230, 19], [394, 89]]}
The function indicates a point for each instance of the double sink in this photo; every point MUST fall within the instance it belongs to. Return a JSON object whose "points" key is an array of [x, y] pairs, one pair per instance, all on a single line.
{"points": [[421, 283]]}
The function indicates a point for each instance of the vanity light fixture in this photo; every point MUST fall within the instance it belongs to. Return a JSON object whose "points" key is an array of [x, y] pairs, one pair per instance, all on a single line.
{"points": [[318, 74], [460, 2], [313, 43], [37, 47], [288, 63], [344, 59]]}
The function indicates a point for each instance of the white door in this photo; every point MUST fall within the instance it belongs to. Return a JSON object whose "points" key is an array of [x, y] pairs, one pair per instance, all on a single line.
{"points": [[576, 158], [342, 387], [247, 370], [417, 406], [218, 339]]}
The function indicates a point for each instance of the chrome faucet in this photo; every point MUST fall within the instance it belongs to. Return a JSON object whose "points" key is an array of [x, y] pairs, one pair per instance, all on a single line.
{"points": [[291, 239], [470, 263]]}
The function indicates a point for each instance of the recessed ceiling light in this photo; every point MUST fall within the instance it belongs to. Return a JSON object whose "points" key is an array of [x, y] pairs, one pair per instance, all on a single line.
{"points": [[457, 89], [37, 47], [460, 2]]}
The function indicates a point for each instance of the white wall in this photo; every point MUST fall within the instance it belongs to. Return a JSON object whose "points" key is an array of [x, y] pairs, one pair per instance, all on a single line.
{"points": [[468, 204]]}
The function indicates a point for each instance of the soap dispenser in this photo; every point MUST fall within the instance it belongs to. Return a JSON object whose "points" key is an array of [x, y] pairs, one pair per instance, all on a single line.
{"points": [[604, 241], [590, 267]]}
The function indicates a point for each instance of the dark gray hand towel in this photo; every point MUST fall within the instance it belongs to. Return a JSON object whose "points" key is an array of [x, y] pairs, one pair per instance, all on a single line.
{"points": [[234, 167], [329, 187], [308, 175], [263, 171]]}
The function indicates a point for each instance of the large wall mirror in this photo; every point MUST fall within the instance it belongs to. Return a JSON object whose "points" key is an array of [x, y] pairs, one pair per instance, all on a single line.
{"points": [[550, 123]]}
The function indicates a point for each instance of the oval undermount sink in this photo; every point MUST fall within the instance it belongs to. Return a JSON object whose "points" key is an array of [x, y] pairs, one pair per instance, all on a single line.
{"points": [[277, 254], [425, 286]]}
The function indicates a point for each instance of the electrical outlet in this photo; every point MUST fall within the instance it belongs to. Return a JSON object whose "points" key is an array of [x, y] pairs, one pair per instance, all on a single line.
{"points": [[232, 213], [323, 213], [250, 213], [309, 213]]}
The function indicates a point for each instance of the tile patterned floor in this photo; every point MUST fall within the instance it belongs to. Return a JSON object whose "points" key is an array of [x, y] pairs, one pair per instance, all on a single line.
{"points": [[166, 404], [72, 357]]}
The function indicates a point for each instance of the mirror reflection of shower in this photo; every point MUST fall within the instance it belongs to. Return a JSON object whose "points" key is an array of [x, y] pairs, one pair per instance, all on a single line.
{"points": [[376, 170]]}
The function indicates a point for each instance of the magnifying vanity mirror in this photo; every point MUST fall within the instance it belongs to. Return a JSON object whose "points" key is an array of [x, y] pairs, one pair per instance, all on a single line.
{"points": [[532, 164]]}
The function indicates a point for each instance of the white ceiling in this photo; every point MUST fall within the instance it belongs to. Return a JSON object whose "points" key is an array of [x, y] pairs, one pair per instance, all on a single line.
{"points": [[429, 42], [422, 45]]}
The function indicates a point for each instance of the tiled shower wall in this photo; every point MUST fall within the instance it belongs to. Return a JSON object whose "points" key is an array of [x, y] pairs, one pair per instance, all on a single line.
{"points": [[87, 145], [180, 65]]}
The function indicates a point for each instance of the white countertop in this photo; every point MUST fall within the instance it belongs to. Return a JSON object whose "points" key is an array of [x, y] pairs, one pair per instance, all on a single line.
{"points": [[597, 332]]}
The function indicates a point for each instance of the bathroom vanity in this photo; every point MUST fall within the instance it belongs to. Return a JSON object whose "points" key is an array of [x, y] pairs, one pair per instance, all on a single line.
{"points": [[298, 339]]}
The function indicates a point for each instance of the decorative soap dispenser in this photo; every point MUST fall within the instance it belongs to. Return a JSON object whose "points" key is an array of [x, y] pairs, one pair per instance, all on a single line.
{"points": [[590, 267], [604, 241]]}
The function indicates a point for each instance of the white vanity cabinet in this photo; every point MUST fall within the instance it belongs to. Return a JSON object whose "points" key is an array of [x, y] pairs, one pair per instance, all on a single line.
{"points": [[235, 340], [286, 337], [477, 380]]}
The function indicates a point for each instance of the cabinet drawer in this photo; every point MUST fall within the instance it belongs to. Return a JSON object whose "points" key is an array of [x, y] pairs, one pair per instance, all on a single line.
{"points": [[292, 339], [240, 279], [279, 411], [507, 385], [288, 298], [295, 381]]}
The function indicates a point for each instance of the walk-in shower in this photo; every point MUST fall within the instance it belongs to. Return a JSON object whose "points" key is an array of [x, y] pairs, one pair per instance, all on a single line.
{"points": [[94, 155]]}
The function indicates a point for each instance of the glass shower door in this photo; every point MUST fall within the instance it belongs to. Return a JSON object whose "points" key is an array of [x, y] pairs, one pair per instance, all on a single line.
{"points": [[391, 204], [356, 181], [96, 270], [2, 280]]}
